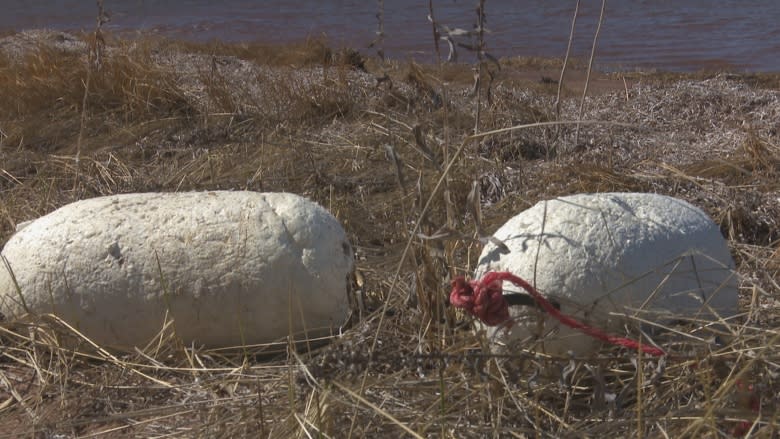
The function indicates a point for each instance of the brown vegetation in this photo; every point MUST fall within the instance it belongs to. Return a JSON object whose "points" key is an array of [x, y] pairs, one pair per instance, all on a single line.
{"points": [[169, 116]]}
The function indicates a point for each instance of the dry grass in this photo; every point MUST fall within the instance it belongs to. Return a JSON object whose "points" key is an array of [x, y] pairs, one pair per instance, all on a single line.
{"points": [[165, 116]]}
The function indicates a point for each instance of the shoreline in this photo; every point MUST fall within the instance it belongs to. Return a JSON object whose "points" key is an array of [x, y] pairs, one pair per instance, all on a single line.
{"points": [[528, 70], [426, 58], [685, 36]]}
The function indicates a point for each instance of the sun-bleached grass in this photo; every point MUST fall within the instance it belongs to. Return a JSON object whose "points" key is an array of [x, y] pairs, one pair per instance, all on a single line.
{"points": [[173, 116]]}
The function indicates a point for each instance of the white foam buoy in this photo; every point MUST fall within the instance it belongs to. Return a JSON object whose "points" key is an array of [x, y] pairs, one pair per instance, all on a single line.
{"points": [[230, 268], [605, 256]]}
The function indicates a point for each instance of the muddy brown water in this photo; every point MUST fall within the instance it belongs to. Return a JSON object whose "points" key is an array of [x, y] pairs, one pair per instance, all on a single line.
{"points": [[685, 35]]}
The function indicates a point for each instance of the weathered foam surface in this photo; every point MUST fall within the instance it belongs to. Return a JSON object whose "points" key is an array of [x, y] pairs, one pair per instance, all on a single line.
{"points": [[224, 264], [612, 252]]}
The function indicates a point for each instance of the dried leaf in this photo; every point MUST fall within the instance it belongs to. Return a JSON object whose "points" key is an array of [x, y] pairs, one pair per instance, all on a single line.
{"points": [[393, 157], [566, 373], [453, 55], [474, 201], [598, 386], [420, 141], [443, 233], [658, 373]]}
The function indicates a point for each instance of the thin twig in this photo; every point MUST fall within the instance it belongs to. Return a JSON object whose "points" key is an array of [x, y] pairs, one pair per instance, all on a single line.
{"points": [[590, 68], [566, 61]]}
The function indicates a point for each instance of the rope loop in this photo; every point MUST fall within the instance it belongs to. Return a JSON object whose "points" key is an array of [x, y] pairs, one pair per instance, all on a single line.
{"points": [[484, 298]]}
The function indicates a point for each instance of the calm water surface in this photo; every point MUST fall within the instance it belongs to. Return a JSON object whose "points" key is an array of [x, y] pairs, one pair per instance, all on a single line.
{"points": [[681, 35]]}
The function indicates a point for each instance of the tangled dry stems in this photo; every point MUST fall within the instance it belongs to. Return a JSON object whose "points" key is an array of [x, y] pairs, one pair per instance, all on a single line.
{"points": [[171, 116]]}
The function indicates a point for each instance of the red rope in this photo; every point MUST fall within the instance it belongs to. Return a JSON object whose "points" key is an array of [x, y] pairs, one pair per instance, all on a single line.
{"points": [[484, 299]]}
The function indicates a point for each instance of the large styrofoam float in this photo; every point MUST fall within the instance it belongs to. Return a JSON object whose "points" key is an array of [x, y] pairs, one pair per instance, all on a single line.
{"points": [[600, 256], [230, 268]]}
